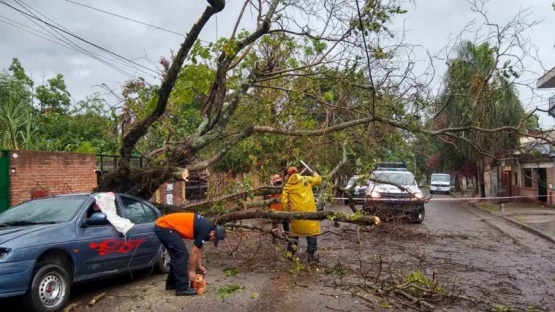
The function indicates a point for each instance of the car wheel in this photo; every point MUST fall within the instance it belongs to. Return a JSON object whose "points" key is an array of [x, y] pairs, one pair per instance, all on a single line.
{"points": [[163, 264], [49, 289], [431, 192], [419, 216]]}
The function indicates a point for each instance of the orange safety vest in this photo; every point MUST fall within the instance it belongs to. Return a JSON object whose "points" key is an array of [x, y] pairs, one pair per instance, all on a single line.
{"points": [[181, 222]]}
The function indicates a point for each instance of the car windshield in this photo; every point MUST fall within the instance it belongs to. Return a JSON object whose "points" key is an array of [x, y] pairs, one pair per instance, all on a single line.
{"points": [[394, 177], [47, 210], [440, 177]]}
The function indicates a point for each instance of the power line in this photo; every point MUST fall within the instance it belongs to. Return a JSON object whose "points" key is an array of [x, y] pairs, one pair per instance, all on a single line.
{"points": [[79, 38], [44, 36], [22, 27], [49, 36], [127, 18], [32, 31], [136, 21], [121, 69]]}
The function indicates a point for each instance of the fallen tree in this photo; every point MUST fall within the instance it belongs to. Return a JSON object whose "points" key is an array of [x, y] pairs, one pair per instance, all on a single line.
{"points": [[280, 216]]}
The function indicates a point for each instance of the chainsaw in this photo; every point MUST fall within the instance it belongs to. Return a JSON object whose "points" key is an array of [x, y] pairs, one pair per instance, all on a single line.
{"points": [[199, 284]]}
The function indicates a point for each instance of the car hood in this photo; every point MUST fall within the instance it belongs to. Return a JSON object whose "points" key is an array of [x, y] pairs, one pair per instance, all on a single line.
{"points": [[12, 232], [389, 188]]}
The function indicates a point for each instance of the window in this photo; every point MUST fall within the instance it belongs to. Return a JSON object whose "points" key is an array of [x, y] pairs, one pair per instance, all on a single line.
{"points": [[138, 212], [47, 210], [527, 177]]}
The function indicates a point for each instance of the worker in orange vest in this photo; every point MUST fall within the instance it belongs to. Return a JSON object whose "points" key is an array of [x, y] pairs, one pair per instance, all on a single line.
{"points": [[171, 229]]}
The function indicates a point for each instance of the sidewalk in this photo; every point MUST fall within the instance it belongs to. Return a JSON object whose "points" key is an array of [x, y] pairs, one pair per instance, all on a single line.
{"points": [[536, 218]]}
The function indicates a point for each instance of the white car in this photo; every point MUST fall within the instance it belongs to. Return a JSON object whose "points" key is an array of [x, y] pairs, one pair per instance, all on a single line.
{"points": [[394, 192], [440, 183]]}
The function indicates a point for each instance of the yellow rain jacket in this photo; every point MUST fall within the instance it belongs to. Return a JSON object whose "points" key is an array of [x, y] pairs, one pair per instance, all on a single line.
{"points": [[297, 196]]}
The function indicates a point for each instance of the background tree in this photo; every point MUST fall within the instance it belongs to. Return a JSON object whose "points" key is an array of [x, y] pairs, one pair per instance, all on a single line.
{"points": [[89, 126], [478, 94], [478, 118], [54, 97], [16, 96]]}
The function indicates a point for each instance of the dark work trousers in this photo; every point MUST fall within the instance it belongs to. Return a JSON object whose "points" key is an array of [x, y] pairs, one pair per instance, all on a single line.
{"points": [[178, 275], [311, 241], [284, 223]]}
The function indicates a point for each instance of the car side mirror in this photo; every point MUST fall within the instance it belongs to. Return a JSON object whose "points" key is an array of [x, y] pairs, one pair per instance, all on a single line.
{"points": [[97, 218]]}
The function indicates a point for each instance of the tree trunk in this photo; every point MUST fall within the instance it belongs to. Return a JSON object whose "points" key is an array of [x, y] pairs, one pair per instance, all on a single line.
{"points": [[458, 183], [481, 181]]}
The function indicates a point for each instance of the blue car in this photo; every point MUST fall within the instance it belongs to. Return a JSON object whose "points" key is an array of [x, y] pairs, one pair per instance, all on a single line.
{"points": [[48, 244]]}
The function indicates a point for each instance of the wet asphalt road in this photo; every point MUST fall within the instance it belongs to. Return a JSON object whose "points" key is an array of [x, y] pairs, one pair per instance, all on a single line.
{"points": [[492, 261], [501, 262]]}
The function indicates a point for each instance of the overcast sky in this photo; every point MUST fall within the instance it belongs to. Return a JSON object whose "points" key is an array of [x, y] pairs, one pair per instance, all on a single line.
{"points": [[430, 24]]}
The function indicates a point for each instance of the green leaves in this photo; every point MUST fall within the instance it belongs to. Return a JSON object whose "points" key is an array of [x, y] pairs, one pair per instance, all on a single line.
{"points": [[226, 291], [16, 119], [231, 272], [87, 127], [54, 97]]}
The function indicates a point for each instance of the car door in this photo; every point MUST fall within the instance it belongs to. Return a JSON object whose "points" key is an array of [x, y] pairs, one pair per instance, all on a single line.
{"points": [[102, 249], [143, 215]]}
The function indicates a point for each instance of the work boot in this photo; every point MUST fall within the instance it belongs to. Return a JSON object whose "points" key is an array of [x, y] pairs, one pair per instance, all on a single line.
{"points": [[312, 257], [186, 292]]}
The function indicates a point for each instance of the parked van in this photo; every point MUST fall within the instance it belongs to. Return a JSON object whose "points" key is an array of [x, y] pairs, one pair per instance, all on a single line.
{"points": [[440, 183]]}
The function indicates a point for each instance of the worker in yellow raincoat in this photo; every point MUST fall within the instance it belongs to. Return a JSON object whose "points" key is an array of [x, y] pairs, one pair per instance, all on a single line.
{"points": [[297, 196]]}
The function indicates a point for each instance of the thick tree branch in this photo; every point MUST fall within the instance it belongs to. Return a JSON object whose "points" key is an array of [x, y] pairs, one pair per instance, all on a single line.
{"points": [[140, 128], [320, 215]]}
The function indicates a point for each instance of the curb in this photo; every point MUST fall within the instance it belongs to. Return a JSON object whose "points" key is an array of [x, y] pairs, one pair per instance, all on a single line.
{"points": [[517, 223], [526, 214], [527, 228]]}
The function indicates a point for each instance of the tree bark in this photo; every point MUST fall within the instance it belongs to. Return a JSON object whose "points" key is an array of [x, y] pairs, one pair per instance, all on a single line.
{"points": [[320, 215], [481, 181]]}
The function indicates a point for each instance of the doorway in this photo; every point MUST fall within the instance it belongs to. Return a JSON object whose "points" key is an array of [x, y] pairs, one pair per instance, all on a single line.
{"points": [[541, 179]]}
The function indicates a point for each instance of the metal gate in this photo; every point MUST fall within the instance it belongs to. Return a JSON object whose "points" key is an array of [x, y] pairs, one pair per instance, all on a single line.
{"points": [[4, 180]]}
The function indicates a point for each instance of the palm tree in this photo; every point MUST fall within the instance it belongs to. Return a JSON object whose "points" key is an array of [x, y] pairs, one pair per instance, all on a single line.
{"points": [[478, 93]]}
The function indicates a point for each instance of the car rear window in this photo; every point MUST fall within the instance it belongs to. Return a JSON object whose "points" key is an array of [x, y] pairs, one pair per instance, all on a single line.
{"points": [[45, 210]]}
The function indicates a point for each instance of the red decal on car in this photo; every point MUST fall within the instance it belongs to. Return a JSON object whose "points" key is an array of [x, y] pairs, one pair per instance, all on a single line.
{"points": [[112, 245]]}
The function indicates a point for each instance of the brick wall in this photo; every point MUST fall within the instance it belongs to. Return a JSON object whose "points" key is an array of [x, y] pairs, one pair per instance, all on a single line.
{"points": [[34, 173]]}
